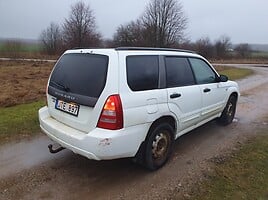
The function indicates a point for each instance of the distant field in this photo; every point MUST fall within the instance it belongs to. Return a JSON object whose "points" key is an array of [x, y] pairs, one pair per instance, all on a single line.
{"points": [[23, 50], [23, 47], [259, 54], [23, 82]]}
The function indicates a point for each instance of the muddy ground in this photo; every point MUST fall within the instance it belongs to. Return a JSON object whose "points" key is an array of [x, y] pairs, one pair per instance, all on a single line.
{"points": [[29, 171], [18, 76]]}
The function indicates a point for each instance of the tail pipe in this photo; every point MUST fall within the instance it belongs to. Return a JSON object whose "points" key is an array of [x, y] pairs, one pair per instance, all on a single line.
{"points": [[51, 150]]}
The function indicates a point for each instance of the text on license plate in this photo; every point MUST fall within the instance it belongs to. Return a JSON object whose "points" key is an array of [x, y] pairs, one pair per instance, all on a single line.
{"points": [[70, 108]]}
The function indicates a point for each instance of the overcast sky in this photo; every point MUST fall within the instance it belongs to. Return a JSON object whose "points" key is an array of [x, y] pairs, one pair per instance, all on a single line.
{"points": [[244, 21]]}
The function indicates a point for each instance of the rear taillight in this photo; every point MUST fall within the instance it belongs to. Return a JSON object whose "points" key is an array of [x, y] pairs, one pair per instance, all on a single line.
{"points": [[112, 114]]}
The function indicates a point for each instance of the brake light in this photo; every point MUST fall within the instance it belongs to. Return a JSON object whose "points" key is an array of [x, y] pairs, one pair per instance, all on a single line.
{"points": [[112, 114]]}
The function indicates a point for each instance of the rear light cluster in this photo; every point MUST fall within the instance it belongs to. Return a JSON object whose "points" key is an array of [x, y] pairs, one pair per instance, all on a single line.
{"points": [[112, 114]]}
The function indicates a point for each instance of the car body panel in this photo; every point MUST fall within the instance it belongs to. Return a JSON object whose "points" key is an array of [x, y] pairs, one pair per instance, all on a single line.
{"points": [[141, 109]]}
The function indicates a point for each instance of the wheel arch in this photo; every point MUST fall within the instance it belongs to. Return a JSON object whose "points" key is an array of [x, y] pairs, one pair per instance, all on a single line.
{"points": [[139, 157], [235, 94], [233, 91], [164, 119]]}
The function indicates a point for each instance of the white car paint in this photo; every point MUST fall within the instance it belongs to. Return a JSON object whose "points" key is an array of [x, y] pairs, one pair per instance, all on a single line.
{"points": [[140, 110]]}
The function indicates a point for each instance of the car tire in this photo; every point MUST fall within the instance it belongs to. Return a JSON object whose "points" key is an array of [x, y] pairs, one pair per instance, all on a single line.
{"points": [[159, 146], [228, 113]]}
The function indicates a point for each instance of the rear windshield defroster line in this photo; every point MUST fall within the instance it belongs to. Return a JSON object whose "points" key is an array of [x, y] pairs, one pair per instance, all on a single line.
{"points": [[79, 78]]}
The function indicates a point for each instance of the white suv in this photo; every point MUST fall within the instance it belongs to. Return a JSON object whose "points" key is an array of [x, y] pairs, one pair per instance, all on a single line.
{"points": [[132, 102]]}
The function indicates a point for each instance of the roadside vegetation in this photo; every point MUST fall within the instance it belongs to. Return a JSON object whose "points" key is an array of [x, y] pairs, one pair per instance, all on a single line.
{"points": [[22, 87], [234, 73], [241, 175], [23, 81], [20, 121]]}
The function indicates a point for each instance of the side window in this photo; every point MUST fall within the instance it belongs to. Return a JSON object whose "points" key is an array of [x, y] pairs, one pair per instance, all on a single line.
{"points": [[142, 72], [179, 72], [203, 73]]}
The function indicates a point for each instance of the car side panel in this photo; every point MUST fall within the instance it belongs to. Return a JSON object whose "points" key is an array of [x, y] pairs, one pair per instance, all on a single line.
{"points": [[213, 98], [140, 107], [187, 107]]}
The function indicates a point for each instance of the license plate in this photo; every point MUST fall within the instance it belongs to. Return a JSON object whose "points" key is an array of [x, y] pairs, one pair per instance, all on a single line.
{"points": [[70, 108]]}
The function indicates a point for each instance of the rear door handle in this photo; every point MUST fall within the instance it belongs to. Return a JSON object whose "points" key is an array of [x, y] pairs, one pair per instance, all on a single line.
{"points": [[206, 90], [175, 95]]}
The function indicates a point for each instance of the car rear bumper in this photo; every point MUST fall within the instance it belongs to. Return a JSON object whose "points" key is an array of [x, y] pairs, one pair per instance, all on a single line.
{"points": [[99, 144]]}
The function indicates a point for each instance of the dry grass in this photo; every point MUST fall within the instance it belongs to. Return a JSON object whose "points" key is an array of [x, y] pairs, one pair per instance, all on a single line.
{"points": [[23, 82], [234, 73], [241, 175], [241, 61]]}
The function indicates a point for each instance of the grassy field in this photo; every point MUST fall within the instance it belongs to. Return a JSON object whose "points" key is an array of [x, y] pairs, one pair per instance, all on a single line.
{"points": [[241, 175], [23, 82], [31, 48], [234, 73], [20, 121], [257, 54], [253, 60], [22, 87], [24, 50]]}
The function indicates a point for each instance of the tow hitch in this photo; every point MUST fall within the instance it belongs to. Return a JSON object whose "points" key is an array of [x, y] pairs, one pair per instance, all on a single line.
{"points": [[58, 149]]}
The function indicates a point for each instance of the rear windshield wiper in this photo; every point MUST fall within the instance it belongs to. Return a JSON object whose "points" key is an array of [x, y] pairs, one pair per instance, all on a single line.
{"points": [[65, 88]]}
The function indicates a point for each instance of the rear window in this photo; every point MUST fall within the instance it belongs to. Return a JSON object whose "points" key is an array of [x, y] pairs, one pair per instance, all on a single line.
{"points": [[83, 75], [142, 72]]}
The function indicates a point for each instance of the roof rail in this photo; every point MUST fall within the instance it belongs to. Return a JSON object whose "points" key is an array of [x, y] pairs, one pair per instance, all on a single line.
{"points": [[151, 49]]}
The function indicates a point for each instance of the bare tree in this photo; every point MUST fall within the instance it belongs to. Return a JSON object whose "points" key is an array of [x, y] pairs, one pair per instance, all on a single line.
{"points": [[222, 46], [129, 34], [79, 30], [243, 50], [164, 22], [52, 39], [204, 47]]}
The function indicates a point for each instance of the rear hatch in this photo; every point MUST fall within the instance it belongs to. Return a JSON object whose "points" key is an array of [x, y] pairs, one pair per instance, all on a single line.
{"points": [[74, 88]]}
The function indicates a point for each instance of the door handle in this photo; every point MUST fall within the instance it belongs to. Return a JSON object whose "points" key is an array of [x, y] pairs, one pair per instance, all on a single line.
{"points": [[206, 90], [175, 95]]}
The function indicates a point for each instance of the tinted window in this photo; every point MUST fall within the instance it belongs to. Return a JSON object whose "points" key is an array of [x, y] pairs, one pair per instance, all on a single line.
{"points": [[203, 73], [83, 74], [179, 72], [142, 72]]}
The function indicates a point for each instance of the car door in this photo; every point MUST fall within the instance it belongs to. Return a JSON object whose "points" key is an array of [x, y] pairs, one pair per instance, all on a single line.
{"points": [[141, 96], [213, 92], [184, 96]]}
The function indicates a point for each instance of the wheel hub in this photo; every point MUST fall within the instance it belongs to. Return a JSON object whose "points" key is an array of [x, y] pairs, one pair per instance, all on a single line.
{"points": [[159, 146], [230, 109]]}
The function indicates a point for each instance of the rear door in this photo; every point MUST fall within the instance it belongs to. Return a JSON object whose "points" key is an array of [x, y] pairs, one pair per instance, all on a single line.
{"points": [[184, 96], [213, 92], [143, 100], [74, 88]]}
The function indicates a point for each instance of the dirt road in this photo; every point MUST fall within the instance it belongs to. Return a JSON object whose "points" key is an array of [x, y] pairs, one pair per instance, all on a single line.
{"points": [[29, 171]]}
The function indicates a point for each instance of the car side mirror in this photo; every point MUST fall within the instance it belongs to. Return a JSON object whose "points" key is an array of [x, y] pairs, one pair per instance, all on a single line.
{"points": [[222, 78]]}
